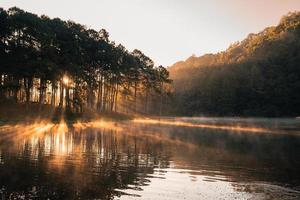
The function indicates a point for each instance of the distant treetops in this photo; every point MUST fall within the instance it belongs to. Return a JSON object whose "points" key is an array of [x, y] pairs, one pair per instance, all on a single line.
{"points": [[259, 76], [66, 65]]}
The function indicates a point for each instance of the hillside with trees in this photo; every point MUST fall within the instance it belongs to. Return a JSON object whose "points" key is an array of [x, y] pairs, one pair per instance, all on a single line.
{"points": [[65, 66], [259, 76]]}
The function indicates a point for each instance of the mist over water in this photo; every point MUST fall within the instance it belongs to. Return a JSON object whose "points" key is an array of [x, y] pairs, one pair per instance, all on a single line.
{"points": [[170, 158]]}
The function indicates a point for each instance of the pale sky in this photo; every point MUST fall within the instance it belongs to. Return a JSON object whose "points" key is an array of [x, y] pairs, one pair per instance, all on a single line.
{"points": [[167, 30]]}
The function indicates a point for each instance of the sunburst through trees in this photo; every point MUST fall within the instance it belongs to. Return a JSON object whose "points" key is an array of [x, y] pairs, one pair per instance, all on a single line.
{"points": [[68, 66]]}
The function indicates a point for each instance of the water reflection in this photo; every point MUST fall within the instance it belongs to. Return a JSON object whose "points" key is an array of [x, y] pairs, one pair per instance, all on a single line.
{"points": [[107, 160]]}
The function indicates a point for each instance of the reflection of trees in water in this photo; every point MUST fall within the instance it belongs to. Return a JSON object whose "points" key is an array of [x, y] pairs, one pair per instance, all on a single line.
{"points": [[238, 156], [93, 162], [82, 163]]}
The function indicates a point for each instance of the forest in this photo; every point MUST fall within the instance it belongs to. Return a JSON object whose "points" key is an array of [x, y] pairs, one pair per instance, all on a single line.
{"points": [[62, 67], [66, 67], [259, 76]]}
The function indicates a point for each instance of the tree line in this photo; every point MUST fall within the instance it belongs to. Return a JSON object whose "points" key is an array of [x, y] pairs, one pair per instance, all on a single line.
{"points": [[259, 76], [68, 66]]}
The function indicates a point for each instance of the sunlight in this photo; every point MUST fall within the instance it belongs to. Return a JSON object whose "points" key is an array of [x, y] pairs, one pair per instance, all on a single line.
{"points": [[84, 117], [61, 127], [207, 126], [43, 127], [96, 124], [66, 80]]}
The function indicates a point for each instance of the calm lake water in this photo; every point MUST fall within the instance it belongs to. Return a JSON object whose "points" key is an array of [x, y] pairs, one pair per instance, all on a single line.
{"points": [[171, 158]]}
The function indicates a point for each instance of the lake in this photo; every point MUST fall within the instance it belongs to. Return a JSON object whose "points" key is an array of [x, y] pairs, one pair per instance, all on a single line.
{"points": [[168, 158]]}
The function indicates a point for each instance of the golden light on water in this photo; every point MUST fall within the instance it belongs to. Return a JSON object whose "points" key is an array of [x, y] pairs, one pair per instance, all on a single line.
{"points": [[97, 124], [28, 130], [233, 128], [89, 153], [63, 140], [42, 128], [37, 128]]}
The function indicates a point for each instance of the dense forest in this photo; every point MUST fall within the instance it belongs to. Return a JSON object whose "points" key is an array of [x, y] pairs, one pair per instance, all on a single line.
{"points": [[68, 67], [259, 76]]}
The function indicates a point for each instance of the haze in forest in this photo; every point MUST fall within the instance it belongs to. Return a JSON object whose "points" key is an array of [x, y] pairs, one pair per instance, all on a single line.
{"points": [[258, 76], [167, 30], [57, 69], [88, 112], [62, 68]]}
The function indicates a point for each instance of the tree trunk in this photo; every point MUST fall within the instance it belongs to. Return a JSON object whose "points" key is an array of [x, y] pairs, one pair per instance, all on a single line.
{"points": [[90, 96], [61, 96], [42, 91], [135, 93], [28, 83], [67, 100], [99, 98], [104, 96], [53, 94], [146, 102], [112, 96], [15, 89], [116, 98]]}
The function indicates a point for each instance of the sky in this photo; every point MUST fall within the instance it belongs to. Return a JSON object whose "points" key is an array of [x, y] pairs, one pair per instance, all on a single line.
{"points": [[167, 30]]}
